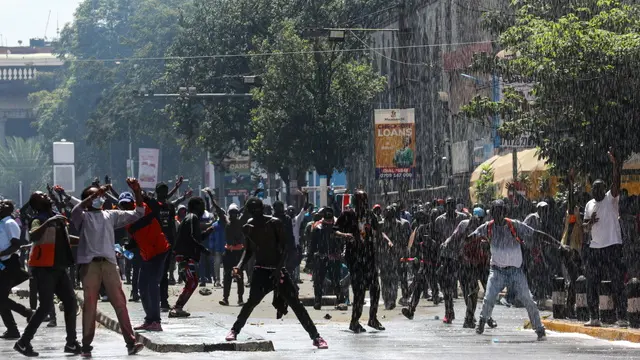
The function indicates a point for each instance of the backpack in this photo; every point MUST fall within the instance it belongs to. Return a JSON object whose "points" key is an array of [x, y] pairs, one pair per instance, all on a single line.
{"points": [[511, 228]]}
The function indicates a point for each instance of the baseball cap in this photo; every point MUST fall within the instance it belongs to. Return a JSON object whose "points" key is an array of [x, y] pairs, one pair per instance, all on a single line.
{"points": [[125, 197], [479, 212], [233, 207], [542, 204]]}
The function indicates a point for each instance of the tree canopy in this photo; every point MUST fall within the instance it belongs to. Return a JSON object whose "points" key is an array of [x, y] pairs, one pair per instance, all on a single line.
{"points": [[581, 58]]}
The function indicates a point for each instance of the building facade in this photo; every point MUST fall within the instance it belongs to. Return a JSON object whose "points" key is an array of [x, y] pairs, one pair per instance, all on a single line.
{"points": [[429, 70]]}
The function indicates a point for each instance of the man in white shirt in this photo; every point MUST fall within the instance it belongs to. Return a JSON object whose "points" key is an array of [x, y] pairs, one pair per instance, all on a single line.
{"points": [[11, 273], [604, 258]]}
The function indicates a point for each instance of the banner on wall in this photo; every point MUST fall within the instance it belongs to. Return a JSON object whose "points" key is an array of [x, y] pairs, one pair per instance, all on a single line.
{"points": [[148, 167], [237, 176], [395, 143]]}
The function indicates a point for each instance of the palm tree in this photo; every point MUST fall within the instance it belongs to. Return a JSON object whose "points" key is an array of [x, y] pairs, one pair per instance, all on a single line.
{"points": [[23, 160]]}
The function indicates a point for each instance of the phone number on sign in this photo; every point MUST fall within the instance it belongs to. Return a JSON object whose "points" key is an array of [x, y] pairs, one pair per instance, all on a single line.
{"points": [[395, 175]]}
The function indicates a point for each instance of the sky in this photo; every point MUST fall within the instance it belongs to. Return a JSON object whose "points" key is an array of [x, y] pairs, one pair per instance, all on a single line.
{"points": [[25, 19]]}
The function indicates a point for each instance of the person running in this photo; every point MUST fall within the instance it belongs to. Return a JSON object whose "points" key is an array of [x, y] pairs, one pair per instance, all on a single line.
{"points": [[12, 274], [50, 257], [267, 240], [98, 259], [153, 248], [506, 238], [187, 249]]}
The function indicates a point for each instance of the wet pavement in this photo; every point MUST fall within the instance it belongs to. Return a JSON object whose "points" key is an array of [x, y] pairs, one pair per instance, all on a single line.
{"points": [[424, 337]]}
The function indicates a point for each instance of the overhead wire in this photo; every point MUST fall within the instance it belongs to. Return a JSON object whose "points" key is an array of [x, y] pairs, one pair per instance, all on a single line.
{"points": [[284, 53]]}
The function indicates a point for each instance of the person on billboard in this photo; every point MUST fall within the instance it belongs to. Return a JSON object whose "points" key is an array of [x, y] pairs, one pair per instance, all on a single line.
{"points": [[404, 157]]}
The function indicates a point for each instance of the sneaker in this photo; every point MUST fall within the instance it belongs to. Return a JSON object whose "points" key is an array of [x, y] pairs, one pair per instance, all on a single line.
{"points": [[407, 313], [480, 328], [203, 284], [141, 327], [165, 308], [133, 349], [492, 323], [317, 306], [10, 335], [593, 323], [154, 326], [320, 343], [53, 323], [86, 351], [240, 301], [25, 349], [224, 302], [342, 307], [622, 323], [542, 335], [447, 320], [73, 348], [403, 302], [179, 313], [217, 284], [231, 336], [357, 328], [374, 323], [134, 298]]}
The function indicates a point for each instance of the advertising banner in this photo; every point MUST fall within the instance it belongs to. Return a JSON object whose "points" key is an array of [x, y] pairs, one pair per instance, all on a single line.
{"points": [[237, 176], [395, 143], [148, 167]]}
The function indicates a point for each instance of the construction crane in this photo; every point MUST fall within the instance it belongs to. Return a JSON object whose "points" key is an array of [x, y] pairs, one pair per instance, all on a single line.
{"points": [[47, 27]]}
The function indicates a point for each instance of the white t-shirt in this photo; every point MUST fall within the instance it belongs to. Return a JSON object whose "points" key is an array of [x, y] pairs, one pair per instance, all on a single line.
{"points": [[9, 229], [606, 231]]}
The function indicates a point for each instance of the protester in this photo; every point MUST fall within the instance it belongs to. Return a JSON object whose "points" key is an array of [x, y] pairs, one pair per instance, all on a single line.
{"points": [[267, 240], [12, 274], [604, 258], [188, 248], [50, 258], [97, 256], [153, 248], [506, 238], [361, 229]]}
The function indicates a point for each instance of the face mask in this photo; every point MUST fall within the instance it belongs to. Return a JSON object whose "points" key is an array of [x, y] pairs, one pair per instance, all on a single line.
{"points": [[97, 203]]}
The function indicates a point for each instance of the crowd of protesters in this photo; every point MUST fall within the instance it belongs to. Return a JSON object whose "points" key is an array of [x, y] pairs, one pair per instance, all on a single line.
{"points": [[430, 251]]}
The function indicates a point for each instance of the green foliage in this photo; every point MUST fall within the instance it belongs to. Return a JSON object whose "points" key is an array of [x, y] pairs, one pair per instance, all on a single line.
{"points": [[486, 189], [582, 57], [93, 104], [23, 160]]}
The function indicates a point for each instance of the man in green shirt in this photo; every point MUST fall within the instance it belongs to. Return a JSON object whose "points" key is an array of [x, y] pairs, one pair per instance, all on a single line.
{"points": [[404, 157]]}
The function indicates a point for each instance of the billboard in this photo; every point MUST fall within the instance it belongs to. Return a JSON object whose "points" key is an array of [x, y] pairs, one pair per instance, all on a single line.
{"points": [[148, 167], [237, 176], [395, 143]]}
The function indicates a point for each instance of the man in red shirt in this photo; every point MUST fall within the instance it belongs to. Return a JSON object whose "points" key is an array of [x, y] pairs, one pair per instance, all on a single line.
{"points": [[154, 249]]}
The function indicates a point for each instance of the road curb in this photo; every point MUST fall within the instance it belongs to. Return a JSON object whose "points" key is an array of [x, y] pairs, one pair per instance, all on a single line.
{"points": [[113, 325], [606, 333]]}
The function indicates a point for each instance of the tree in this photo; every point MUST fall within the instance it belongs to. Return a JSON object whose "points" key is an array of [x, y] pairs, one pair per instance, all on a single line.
{"points": [[93, 104], [314, 108], [485, 187], [581, 58], [23, 160]]}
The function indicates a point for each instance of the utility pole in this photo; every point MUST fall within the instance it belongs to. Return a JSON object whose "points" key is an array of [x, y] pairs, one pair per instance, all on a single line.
{"points": [[404, 39]]}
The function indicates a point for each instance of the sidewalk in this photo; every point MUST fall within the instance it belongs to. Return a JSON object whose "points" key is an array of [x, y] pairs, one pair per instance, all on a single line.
{"points": [[605, 332]]}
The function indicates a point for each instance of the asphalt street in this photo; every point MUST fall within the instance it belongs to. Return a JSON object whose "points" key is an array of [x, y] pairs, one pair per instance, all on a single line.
{"points": [[425, 337]]}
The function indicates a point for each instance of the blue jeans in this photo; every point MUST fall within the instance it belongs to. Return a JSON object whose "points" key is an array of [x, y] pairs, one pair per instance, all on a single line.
{"points": [[151, 272], [515, 281]]}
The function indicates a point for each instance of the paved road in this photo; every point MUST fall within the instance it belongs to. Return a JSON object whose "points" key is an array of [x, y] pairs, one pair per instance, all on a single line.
{"points": [[424, 337]]}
